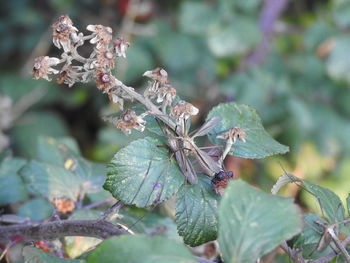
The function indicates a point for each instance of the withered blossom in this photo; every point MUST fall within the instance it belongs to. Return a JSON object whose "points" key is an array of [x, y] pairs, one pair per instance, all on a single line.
{"points": [[120, 45], [166, 93], [68, 76], [233, 135], [43, 67], [183, 109], [102, 35], [105, 58], [64, 205], [159, 77], [220, 181], [129, 120], [62, 30], [105, 81]]}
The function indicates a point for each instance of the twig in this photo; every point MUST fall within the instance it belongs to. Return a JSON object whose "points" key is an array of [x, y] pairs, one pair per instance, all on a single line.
{"points": [[332, 254], [96, 204], [111, 212], [58, 229], [294, 254]]}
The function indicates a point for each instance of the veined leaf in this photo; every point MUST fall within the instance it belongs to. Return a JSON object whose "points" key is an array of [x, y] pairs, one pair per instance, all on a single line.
{"points": [[252, 222], [259, 143], [34, 255], [143, 173], [196, 217]]}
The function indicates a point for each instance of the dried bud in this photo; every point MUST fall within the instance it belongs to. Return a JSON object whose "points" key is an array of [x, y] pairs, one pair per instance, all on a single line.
{"points": [[129, 120], [42, 67], [105, 58], [64, 205], [159, 75], [102, 35], [105, 81], [234, 134], [184, 110], [62, 30], [220, 181], [120, 46]]}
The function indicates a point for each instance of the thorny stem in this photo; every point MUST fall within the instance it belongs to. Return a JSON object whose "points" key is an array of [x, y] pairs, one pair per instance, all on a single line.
{"points": [[294, 254]]}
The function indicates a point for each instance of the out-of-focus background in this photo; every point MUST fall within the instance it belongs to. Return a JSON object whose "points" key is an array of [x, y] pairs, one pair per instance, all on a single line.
{"points": [[290, 59]]}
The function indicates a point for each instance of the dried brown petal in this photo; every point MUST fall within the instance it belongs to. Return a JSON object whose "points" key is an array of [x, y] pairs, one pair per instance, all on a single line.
{"points": [[42, 67], [62, 29], [129, 120], [183, 109], [158, 74], [166, 93], [68, 76], [102, 35], [120, 46], [234, 134], [105, 58]]}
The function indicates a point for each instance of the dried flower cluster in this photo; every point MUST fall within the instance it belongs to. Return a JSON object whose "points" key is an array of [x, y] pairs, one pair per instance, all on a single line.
{"points": [[159, 97], [77, 68]]}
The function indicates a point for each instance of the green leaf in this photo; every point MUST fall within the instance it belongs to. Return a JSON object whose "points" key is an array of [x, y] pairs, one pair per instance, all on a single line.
{"points": [[329, 202], [31, 125], [309, 235], [143, 173], [234, 38], [196, 17], [196, 207], [12, 188], [259, 143], [348, 204], [50, 180], [252, 223], [65, 153], [75, 246], [36, 209], [140, 248], [33, 255]]}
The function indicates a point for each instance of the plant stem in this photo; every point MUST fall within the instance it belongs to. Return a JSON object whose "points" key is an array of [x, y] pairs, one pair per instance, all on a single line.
{"points": [[58, 229]]}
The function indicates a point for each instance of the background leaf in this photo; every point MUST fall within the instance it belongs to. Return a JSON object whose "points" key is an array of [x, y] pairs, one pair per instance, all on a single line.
{"points": [[259, 143], [252, 223], [36, 209], [33, 255], [12, 188], [140, 248], [143, 173], [196, 217]]}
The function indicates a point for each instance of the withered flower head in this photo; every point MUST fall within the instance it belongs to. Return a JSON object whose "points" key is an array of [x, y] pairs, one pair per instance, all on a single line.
{"points": [[105, 58], [43, 67], [166, 93], [184, 110], [120, 46], [68, 76], [159, 75], [102, 35], [234, 134], [105, 81], [129, 120], [62, 29]]}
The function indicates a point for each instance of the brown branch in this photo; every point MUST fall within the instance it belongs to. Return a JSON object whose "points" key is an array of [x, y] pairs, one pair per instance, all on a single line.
{"points": [[57, 229]]}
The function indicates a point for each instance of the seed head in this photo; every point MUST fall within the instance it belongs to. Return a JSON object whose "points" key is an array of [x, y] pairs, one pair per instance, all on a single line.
{"points": [[184, 110], [102, 35], [61, 32], [120, 46], [43, 67], [129, 120], [234, 134]]}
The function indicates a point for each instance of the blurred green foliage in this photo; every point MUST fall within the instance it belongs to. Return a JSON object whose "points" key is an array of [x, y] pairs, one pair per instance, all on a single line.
{"points": [[300, 87]]}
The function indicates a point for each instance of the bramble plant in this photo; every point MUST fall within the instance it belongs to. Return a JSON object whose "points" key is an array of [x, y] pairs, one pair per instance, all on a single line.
{"points": [[211, 202]]}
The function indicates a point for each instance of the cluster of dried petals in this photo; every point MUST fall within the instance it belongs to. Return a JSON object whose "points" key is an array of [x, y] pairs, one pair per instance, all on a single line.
{"points": [[183, 109], [62, 30], [233, 135], [43, 67], [105, 58], [105, 81], [129, 120], [102, 35], [120, 46], [64, 205], [68, 76], [166, 93], [220, 181]]}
